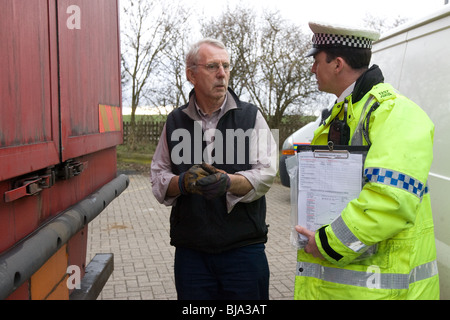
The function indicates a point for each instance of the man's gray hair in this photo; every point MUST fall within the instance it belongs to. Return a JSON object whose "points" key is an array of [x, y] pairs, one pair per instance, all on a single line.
{"points": [[192, 56]]}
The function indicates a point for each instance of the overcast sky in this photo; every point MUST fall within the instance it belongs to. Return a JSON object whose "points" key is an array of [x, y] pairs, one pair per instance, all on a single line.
{"points": [[339, 11], [344, 12]]}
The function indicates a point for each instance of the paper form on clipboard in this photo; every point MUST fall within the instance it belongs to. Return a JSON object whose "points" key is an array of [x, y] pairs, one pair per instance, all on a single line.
{"points": [[327, 182]]}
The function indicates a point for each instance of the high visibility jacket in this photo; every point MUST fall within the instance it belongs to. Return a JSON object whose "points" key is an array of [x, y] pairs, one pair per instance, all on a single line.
{"points": [[382, 246]]}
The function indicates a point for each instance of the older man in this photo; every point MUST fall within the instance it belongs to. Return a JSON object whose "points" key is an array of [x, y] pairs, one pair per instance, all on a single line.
{"points": [[206, 168]]}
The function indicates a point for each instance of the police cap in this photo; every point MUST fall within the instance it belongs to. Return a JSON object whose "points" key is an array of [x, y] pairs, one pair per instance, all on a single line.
{"points": [[334, 36]]}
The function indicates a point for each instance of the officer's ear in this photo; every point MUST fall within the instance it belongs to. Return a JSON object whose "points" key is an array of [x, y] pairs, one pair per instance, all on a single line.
{"points": [[340, 63]]}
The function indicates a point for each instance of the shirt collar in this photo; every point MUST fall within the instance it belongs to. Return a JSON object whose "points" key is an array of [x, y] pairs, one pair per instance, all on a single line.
{"points": [[346, 92], [218, 111], [192, 112]]}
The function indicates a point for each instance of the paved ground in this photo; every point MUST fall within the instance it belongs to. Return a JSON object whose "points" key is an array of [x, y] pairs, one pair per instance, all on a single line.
{"points": [[135, 227]]}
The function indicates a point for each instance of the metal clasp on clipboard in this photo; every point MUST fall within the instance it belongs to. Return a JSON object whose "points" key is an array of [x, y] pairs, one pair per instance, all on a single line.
{"points": [[331, 153]]}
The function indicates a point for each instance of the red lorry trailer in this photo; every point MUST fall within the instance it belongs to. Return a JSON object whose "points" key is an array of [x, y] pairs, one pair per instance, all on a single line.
{"points": [[60, 123]]}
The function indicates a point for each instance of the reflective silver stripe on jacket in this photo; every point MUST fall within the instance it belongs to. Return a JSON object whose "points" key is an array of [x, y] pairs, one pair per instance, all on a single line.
{"points": [[396, 179], [357, 139], [343, 233], [372, 278]]}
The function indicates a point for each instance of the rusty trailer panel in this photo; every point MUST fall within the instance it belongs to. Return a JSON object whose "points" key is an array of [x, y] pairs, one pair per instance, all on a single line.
{"points": [[29, 137], [60, 123], [89, 74]]}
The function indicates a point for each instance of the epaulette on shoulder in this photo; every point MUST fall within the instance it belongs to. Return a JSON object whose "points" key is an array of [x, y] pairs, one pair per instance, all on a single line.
{"points": [[383, 92]]}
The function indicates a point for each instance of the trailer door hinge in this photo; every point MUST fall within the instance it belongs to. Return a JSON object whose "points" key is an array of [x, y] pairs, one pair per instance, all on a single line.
{"points": [[30, 186]]}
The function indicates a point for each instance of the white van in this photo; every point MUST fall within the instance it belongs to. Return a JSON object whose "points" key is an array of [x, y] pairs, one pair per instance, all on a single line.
{"points": [[415, 59], [299, 137]]}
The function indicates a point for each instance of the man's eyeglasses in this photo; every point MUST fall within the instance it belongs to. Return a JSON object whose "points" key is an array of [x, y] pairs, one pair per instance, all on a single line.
{"points": [[214, 67]]}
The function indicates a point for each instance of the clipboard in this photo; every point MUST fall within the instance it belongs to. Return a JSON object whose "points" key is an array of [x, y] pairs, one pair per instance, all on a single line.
{"points": [[331, 149], [328, 178]]}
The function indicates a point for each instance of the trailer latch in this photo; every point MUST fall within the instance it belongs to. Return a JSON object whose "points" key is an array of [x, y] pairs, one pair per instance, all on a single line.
{"points": [[33, 184], [30, 186], [71, 169]]}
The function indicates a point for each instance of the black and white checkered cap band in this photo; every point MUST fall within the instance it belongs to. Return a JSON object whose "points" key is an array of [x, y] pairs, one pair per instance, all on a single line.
{"points": [[333, 40]]}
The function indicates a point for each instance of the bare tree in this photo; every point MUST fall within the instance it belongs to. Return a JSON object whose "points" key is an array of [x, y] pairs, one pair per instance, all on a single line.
{"points": [[238, 31], [286, 82], [269, 61], [148, 30], [171, 88], [382, 24]]}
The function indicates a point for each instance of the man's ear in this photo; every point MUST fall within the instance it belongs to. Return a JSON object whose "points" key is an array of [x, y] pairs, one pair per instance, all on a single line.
{"points": [[190, 75]]}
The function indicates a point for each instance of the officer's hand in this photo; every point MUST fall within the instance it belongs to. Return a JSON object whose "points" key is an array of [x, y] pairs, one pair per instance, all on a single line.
{"points": [[311, 247], [187, 181]]}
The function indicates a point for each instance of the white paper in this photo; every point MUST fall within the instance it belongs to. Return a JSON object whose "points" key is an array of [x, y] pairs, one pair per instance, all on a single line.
{"points": [[327, 183]]}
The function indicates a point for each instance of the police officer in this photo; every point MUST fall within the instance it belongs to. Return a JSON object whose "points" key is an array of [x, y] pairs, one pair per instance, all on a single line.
{"points": [[382, 245]]}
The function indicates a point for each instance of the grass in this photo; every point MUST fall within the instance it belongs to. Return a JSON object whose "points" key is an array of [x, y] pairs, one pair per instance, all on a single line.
{"points": [[137, 159]]}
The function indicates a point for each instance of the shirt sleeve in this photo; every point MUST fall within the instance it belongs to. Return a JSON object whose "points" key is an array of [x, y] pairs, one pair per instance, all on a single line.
{"points": [[161, 172], [264, 157]]}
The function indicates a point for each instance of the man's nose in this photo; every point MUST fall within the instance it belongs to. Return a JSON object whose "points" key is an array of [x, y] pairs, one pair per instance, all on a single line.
{"points": [[221, 72]]}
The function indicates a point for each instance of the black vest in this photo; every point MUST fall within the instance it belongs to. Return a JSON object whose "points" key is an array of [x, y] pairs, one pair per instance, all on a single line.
{"points": [[205, 225]]}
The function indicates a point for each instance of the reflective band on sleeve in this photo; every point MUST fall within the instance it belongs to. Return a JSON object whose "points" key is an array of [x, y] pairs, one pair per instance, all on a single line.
{"points": [[369, 279], [395, 179], [343, 233]]}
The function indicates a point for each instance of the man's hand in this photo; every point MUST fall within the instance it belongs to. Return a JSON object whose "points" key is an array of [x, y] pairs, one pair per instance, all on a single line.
{"points": [[214, 185], [205, 180], [311, 247], [187, 181], [210, 169]]}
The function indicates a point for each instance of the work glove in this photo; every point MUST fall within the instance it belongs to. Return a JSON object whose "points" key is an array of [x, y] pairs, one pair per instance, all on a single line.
{"points": [[214, 185], [187, 182]]}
